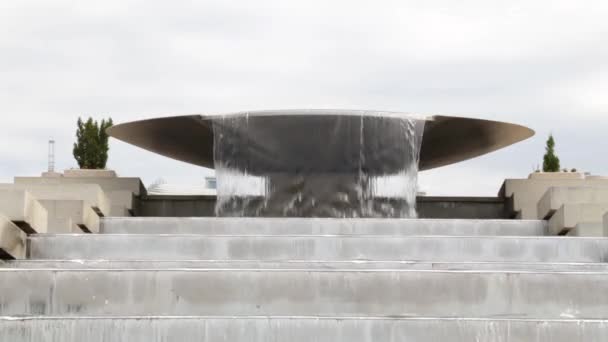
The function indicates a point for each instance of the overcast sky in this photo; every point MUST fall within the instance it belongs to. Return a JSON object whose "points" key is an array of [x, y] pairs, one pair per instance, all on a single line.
{"points": [[541, 63]]}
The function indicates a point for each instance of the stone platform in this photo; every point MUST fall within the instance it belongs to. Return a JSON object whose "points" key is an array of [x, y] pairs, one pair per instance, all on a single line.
{"points": [[307, 279]]}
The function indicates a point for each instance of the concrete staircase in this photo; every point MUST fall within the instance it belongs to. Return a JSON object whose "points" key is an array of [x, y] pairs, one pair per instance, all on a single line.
{"points": [[211, 279]]}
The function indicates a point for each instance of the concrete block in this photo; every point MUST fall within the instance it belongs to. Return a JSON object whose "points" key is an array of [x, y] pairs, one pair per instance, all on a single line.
{"points": [[12, 240], [91, 221], [606, 224], [22, 208], [320, 248], [527, 192], [569, 215], [587, 229], [71, 216], [92, 194], [318, 226], [298, 329], [119, 190], [325, 293], [63, 215], [122, 203], [555, 197]]}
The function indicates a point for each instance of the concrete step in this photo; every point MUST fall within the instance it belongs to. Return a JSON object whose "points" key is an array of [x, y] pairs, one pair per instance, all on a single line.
{"points": [[319, 226], [319, 248], [304, 265], [297, 329], [491, 294]]}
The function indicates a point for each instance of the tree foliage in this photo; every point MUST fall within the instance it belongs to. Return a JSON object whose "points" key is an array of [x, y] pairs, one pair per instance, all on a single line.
{"points": [[92, 145], [550, 160]]}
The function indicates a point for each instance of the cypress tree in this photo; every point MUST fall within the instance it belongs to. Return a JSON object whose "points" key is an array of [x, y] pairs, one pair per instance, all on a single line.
{"points": [[550, 160], [104, 145], [79, 146], [91, 146]]}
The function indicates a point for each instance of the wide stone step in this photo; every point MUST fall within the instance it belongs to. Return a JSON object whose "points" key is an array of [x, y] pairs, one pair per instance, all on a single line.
{"points": [[319, 248], [320, 226], [304, 293], [304, 265], [297, 329]]}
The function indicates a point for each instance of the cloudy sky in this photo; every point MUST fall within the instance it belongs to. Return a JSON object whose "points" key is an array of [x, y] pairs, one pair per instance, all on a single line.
{"points": [[541, 63]]}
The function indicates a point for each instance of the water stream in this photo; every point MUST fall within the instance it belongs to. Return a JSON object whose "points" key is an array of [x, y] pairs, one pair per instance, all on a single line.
{"points": [[343, 165]]}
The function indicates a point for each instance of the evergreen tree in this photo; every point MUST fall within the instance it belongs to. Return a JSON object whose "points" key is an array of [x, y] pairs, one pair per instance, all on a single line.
{"points": [[79, 146], [91, 147], [550, 160], [104, 141]]}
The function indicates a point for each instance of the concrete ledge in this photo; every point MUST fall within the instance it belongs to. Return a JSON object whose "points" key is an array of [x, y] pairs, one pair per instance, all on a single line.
{"points": [[569, 215], [80, 173], [12, 240], [342, 293], [556, 175], [297, 329], [92, 194], [306, 265], [587, 229], [311, 248], [108, 184], [20, 207], [320, 226], [555, 197]]}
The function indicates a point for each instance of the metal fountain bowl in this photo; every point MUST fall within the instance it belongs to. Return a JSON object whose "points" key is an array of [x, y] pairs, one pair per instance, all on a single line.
{"points": [[284, 140]]}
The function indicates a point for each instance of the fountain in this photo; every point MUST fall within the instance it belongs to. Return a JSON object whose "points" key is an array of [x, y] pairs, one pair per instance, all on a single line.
{"points": [[321, 244], [319, 163]]}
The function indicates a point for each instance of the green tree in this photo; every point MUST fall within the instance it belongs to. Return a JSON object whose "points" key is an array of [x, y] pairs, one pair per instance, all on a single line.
{"points": [[80, 144], [550, 160], [91, 146], [104, 145]]}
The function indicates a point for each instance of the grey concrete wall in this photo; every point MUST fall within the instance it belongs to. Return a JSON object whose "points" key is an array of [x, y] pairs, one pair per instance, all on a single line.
{"points": [[463, 207], [333, 293], [319, 226], [318, 247], [428, 207], [175, 206], [298, 329]]}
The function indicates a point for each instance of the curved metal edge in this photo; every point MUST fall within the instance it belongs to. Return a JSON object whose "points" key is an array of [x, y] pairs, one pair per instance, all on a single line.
{"points": [[185, 138], [447, 140]]}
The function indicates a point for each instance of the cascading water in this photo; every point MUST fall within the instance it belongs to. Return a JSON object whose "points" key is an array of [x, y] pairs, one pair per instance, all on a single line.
{"points": [[317, 164]]}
